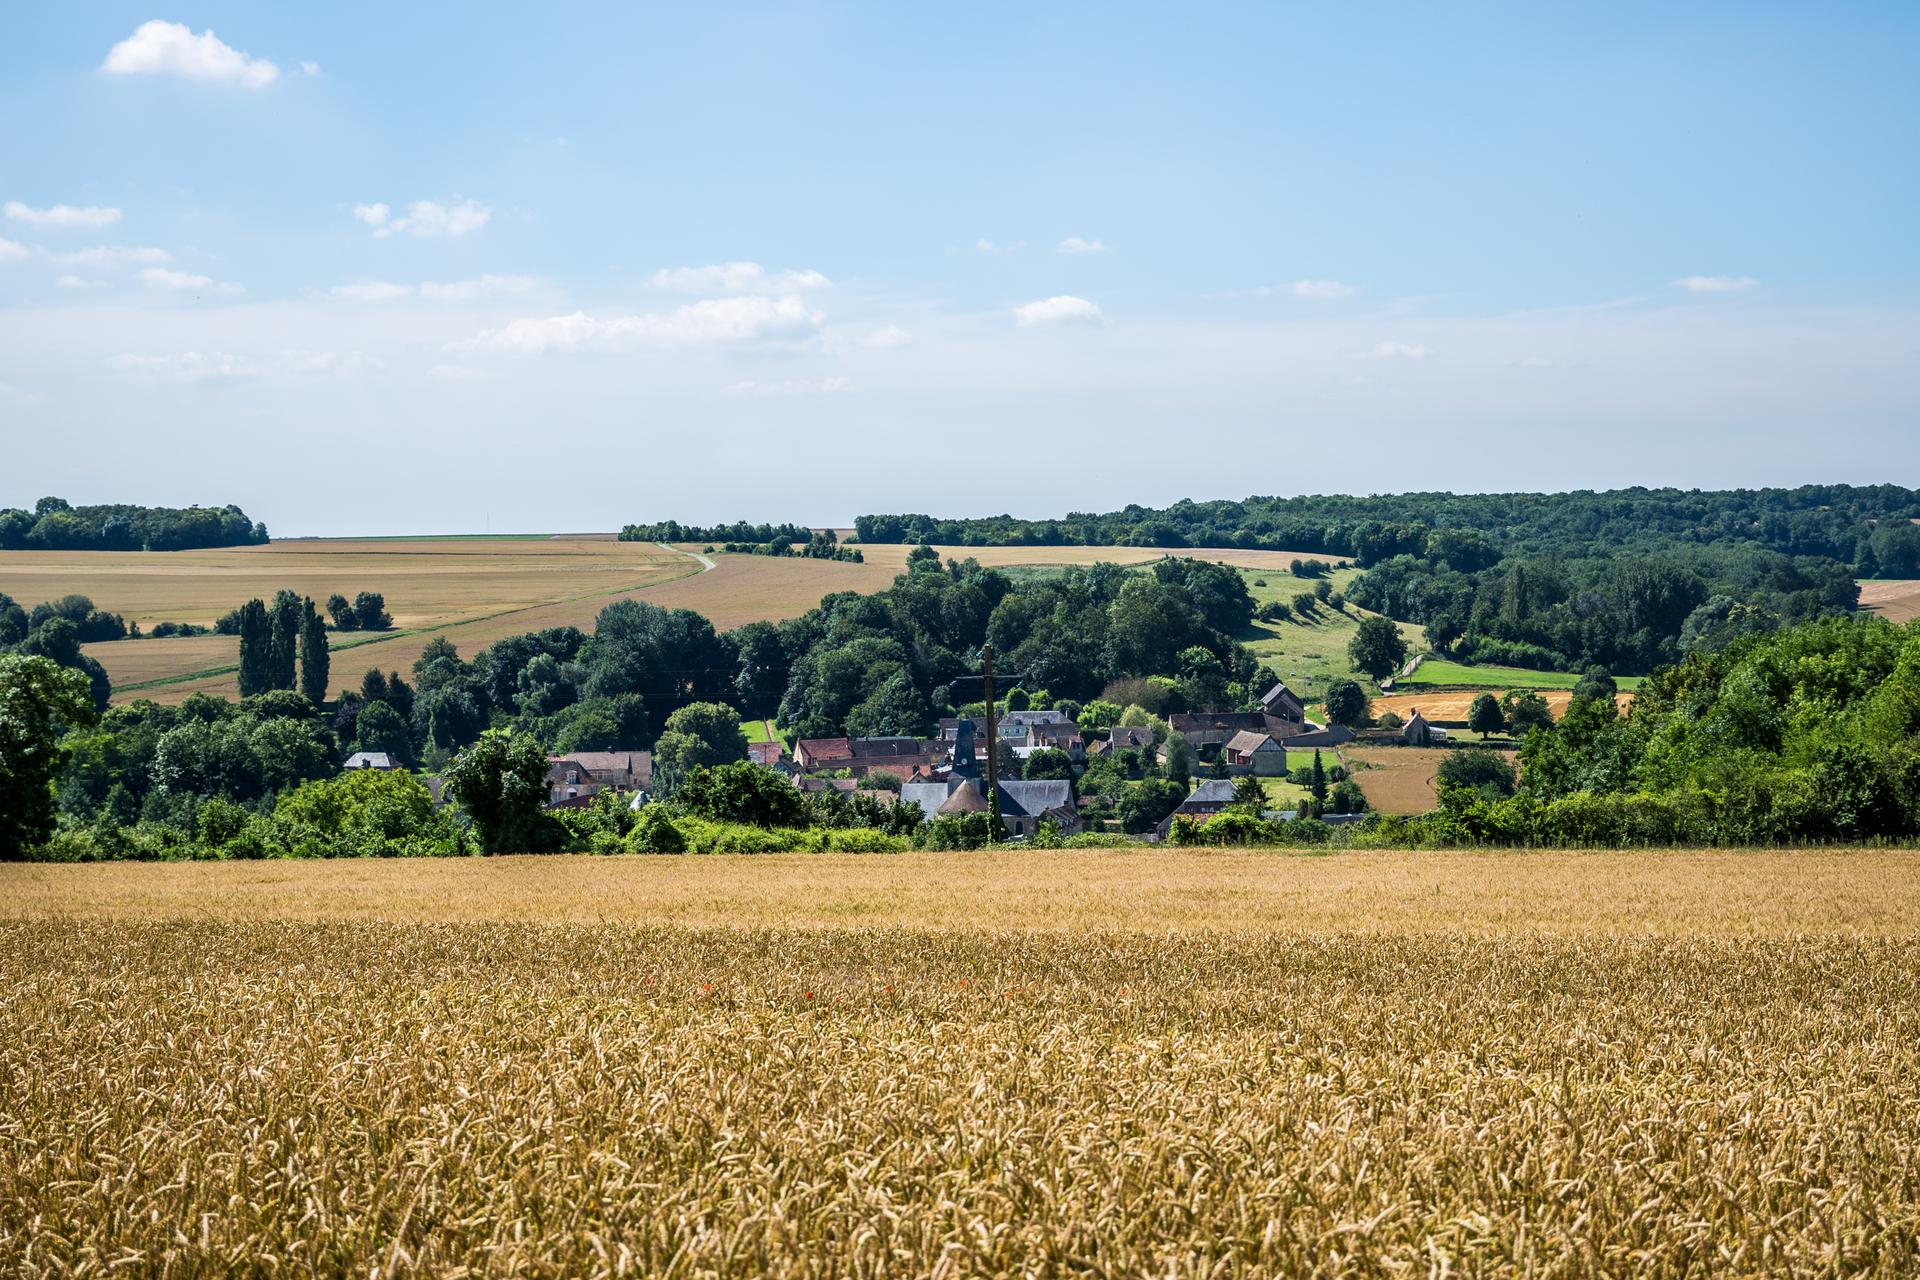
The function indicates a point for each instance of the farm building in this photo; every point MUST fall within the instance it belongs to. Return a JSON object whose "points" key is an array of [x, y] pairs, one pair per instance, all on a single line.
{"points": [[370, 760], [1251, 751], [1420, 732]]}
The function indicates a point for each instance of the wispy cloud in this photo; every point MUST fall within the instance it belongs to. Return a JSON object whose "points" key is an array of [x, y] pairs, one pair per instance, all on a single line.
{"points": [[1079, 244], [887, 336], [736, 277], [171, 48], [1319, 289], [13, 251], [449, 291], [1715, 284], [105, 256], [195, 367], [165, 278], [1397, 351], [712, 322], [1062, 309], [789, 387], [62, 216], [457, 217]]}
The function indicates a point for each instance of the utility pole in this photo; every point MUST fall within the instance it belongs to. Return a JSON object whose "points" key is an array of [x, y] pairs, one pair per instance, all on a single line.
{"points": [[993, 753]]}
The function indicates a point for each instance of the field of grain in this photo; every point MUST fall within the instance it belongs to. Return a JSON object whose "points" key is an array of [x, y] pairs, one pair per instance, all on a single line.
{"points": [[1159, 1063], [1894, 600]]}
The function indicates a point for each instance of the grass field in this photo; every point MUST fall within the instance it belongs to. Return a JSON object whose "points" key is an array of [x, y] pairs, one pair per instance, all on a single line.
{"points": [[471, 590], [1159, 1063], [1440, 673], [1307, 651]]}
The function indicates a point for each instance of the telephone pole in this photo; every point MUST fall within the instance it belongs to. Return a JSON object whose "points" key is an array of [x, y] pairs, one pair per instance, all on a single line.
{"points": [[993, 753]]}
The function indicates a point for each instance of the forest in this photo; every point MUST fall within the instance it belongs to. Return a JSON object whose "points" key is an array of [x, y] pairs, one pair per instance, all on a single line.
{"points": [[54, 524]]}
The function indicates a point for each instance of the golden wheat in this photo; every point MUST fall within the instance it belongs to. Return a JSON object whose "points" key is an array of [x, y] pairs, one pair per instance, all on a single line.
{"points": [[1727, 1091]]}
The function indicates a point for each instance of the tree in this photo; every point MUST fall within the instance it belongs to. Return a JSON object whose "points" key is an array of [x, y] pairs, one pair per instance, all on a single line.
{"points": [[1018, 699], [342, 614], [700, 733], [1377, 648], [39, 700], [1596, 685], [314, 660], [256, 649], [1526, 711], [501, 781], [1048, 763], [1347, 703], [741, 791], [283, 647], [1179, 766], [380, 728], [1317, 784], [1485, 715], [1477, 769], [370, 611], [1248, 792], [1142, 805]]}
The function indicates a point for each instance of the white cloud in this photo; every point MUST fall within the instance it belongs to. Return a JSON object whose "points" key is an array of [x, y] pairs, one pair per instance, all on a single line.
{"points": [[790, 387], [425, 218], [450, 291], [736, 277], [171, 48], [1064, 308], [165, 278], [73, 282], [1319, 289], [715, 321], [12, 251], [1076, 244], [62, 215], [984, 245], [308, 67], [1397, 351], [886, 337], [1715, 284], [196, 367], [112, 255]]}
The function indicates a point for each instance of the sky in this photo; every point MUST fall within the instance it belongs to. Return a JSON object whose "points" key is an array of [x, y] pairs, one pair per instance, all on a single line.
{"points": [[446, 268]]}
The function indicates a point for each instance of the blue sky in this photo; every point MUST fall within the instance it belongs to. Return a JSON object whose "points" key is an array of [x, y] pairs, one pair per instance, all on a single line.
{"points": [[406, 268]]}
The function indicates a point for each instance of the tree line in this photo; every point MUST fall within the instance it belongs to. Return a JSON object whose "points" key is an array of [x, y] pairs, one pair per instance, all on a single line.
{"points": [[54, 524]]}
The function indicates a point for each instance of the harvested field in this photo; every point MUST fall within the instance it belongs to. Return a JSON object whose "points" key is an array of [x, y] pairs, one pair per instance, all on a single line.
{"points": [[1894, 600], [471, 590], [1453, 704], [1396, 779], [1090, 1063]]}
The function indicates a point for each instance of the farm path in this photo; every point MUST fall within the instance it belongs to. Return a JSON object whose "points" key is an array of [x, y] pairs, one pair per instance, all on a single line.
{"points": [[707, 565]]}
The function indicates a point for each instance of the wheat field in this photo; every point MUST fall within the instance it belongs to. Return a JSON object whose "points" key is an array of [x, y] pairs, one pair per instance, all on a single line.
{"points": [[1173, 1064]]}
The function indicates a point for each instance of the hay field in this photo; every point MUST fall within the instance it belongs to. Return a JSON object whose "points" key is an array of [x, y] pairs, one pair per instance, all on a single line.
{"points": [[1159, 1063], [1396, 779]]}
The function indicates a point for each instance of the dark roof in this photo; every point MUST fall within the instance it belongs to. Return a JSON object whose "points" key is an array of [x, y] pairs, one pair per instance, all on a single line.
{"points": [[635, 764], [1248, 741], [867, 748], [1036, 797], [1212, 791], [1202, 721], [1131, 737], [1035, 717]]}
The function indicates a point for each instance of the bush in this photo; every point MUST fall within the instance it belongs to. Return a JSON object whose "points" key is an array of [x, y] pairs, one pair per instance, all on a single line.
{"points": [[653, 832]]}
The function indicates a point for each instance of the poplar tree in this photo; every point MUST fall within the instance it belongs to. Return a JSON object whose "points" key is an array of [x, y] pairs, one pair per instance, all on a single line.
{"points": [[285, 648], [256, 649], [314, 660]]}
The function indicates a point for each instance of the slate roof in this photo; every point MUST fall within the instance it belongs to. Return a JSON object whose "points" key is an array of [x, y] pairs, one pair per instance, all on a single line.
{"points": [[1131, 737], [370, 760], [1018, 799], [1247, 741], [613, 766], [1212, 791]]}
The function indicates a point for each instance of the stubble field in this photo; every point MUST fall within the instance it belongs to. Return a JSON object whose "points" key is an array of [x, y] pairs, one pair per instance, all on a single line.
{"points": [[1087, 1063]]}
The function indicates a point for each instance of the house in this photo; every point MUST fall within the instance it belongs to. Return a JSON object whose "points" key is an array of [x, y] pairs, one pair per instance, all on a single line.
{"points": [[1281, 703], [1251, 751], [1130, 737], [1023, 805], [370, 760], [586, 773], [1420, 732], [769, 755], [1207, 800], [1207, 731], [823, 753]]}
